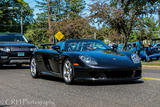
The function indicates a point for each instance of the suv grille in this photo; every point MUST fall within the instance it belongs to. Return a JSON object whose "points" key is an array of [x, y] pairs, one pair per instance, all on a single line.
{"points": [[20, 49]]}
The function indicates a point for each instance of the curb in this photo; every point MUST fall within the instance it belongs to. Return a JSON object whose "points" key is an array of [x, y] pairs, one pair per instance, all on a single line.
{"points": [[151, 66]]}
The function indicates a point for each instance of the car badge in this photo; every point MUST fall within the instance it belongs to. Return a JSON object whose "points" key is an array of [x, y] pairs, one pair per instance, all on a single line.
{"points": [[114, 59]]}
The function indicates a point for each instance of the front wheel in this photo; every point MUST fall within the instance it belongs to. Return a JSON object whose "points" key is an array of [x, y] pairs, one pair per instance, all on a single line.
{"points": [[68, 72], [33, 68]]}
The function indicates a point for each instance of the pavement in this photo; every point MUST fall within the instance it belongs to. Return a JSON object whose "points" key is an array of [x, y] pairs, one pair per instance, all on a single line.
{"points": [[19, 89]]}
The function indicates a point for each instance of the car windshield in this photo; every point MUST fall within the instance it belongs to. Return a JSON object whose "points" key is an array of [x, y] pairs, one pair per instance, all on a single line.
{"points": [[85, 45], [12, 38], [155, 50]]}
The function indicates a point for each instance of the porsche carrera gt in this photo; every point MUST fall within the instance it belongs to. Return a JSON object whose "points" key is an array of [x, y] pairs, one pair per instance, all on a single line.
{"points": [[85, 59]]}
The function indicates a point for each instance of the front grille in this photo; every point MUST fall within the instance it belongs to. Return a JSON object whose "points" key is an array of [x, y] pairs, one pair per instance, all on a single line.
{"points": [[115, 74], [119, 74], [20, 49]]}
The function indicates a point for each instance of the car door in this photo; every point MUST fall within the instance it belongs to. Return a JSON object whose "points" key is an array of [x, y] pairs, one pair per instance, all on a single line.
{"points": [[41, 58], [53, 60], [48, 60]]}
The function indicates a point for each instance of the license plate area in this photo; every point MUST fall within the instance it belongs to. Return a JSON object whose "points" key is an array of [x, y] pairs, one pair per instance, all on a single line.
{"points": [[20, 54]]}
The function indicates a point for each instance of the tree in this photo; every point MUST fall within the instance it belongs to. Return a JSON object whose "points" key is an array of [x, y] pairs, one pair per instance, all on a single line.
{"points": [[56, 9], [10, 15], [147, 28], [121, 15], [63, 13], [76, 27], [73, 7]]}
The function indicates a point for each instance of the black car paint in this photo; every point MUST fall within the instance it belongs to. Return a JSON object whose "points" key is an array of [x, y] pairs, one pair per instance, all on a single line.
{"points": [[50, 62]]}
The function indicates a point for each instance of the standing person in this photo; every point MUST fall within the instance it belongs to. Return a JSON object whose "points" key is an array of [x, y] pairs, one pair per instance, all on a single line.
{"points": [[133, 50], [139, 46], [146, 43]]}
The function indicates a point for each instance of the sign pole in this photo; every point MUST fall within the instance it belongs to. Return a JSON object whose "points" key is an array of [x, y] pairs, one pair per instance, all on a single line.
{"points": [[49, 22]]}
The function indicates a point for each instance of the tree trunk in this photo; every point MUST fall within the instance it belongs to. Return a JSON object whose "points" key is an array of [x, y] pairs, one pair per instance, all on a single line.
{"points": [[159, 21], [125, 42]]}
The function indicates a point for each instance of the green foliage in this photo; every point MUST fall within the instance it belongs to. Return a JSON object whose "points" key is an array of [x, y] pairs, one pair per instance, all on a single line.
{"points": [[38, 32], [65, 17], [73, 7], [11, 12], [60, 9], [146, 28], [38, 36], [133, 36], [56, 9], [76, 27], [102, 33]]}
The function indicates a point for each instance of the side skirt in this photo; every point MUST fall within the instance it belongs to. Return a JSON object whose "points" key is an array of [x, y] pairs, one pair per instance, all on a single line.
{"points": [[52, 74]]}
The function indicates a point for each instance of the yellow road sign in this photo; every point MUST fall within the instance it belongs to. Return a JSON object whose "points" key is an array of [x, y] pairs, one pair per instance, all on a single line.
{"points": [[59, 36]]}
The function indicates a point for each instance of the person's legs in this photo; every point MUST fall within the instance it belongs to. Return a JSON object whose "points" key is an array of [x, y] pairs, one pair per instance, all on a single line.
{"points": [[138, 52]]}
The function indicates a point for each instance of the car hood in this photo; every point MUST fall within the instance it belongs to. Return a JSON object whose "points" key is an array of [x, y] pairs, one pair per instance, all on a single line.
{"points": [[109, 58], [11, 44]]}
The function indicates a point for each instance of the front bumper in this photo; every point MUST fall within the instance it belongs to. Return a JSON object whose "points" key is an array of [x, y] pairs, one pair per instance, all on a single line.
{"points": [[15, 60], [107, 74]]}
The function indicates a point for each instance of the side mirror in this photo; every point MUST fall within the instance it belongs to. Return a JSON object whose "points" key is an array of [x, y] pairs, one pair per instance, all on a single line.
{"points": [[56, 47], [30, 41]]}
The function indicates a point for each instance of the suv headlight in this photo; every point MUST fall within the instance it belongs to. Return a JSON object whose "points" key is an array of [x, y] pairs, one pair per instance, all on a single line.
{"points": [[88, 60], [135, 58], [33, 49], [5, 49]]}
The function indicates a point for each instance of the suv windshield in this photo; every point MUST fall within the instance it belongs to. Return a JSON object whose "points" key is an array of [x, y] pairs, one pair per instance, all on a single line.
{"points": [[12, 38]]}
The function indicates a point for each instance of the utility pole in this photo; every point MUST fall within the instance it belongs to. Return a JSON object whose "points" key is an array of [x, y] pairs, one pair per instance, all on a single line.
{"points": [[49, 22], [21, 21], [95, 35], [159, 21]]}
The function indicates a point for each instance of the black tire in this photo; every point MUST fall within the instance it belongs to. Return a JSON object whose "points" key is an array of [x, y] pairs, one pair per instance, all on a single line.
{"points": [[68, 72], [157, 58], [33, 68]]}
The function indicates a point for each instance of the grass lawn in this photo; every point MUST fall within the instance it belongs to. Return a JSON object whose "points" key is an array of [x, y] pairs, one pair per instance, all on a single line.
{"points": [[157, 63]]}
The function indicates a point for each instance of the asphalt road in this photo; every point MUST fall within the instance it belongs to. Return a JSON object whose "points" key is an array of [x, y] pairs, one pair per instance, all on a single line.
{"points": [[18, 89]]}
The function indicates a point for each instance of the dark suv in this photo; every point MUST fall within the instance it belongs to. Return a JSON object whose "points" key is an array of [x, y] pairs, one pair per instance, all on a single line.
{"points": [[15, 49]]}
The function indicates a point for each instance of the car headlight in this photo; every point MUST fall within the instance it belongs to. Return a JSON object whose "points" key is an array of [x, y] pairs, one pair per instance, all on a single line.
{"points": [[135, 58], [88, 60], [5, 49]]}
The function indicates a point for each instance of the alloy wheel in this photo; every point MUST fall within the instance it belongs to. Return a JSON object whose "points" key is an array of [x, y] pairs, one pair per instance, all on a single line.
{"points": [[68, 72], [33, 68]]}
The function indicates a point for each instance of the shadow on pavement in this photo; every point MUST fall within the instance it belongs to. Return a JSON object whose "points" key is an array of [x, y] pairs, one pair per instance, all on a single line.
{"points": [[92, 83], [102, 83], [13, 67], [4, 105], [51, 78]]}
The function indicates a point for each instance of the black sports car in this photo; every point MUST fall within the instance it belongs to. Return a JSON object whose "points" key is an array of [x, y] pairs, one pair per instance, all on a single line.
{"points": [[85, 59], [15, 49]]}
